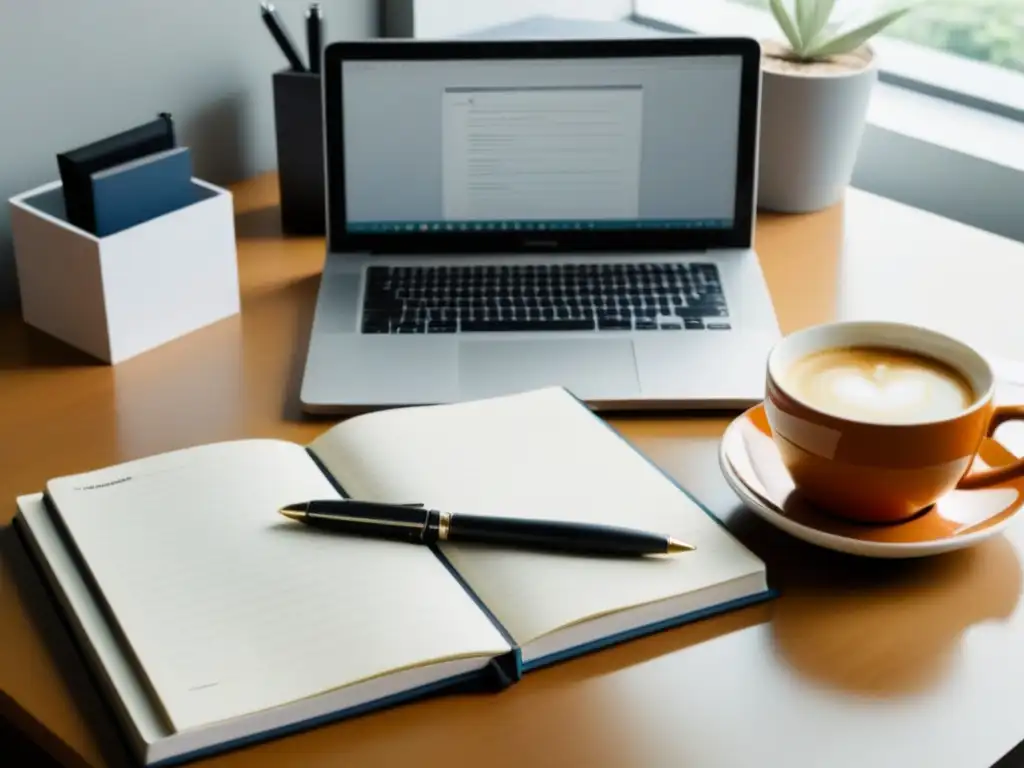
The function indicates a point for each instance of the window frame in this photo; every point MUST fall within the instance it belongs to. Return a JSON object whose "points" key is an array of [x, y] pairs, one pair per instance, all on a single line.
{"points": [[911, 66]]}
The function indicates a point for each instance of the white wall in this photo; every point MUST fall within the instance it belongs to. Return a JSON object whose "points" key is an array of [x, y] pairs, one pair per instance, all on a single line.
{"points": [[72, 72]]}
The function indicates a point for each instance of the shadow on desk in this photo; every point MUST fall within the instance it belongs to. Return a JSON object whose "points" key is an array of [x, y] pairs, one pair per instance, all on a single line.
{"points": [[278, 322], [17, 750], [867, 627], [38, 602], [880, 628], [259, 223], [22, 346]]}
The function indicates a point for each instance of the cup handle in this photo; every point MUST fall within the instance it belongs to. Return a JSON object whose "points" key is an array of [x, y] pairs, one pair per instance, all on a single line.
{"points": [[1012, 471]]}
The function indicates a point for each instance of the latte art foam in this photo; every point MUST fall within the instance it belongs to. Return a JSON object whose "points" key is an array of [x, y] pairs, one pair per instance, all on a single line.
{"points": [[879, 385]]}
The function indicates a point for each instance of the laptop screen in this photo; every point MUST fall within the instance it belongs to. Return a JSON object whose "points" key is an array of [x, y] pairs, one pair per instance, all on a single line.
{"points": [[523, 145]]}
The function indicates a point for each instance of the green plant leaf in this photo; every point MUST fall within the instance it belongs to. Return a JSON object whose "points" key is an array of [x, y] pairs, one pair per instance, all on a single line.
{"points": [[812, 16], [849, 41], [787, 25], [802, 9]]}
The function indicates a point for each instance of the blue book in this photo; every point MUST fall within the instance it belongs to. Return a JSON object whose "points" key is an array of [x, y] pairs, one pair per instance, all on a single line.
{"points": [[77, 165], [210, 621], [143, 189]]}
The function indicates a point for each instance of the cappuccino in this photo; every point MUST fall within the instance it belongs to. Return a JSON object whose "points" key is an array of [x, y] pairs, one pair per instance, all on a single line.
{"points": [[879, 385]]}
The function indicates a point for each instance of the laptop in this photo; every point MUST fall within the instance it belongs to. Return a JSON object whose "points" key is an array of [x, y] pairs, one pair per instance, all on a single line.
{"points": [[514, 214]]}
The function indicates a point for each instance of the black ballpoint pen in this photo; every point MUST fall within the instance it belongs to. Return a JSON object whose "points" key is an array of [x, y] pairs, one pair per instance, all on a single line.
{"points": [[419, 525], [314, 36], [284, 40]]}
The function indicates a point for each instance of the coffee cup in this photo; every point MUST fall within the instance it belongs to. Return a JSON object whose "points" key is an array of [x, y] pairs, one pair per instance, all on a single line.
{"points": [[876, 421]]}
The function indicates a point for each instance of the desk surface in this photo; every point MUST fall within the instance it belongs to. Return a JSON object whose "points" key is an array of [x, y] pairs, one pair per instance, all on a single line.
{"points": [[857, 663]]}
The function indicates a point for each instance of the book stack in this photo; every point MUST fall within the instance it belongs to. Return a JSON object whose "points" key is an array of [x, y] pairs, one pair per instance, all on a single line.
{"points": [[127, 179]]}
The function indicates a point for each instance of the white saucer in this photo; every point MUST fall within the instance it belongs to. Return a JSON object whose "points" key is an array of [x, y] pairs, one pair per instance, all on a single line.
{"points": [[752, 466]]}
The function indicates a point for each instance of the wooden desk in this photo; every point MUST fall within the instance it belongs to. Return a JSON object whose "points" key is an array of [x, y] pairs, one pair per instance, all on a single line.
{"points": [[857, 663]]}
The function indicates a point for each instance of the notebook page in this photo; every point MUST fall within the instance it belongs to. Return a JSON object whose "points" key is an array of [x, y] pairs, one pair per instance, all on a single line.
{"points": [[230, 608], [542, 455]]}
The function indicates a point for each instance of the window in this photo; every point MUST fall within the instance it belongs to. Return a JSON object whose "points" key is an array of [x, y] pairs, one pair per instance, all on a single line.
{"points": [[989, 31], [969, 52]]}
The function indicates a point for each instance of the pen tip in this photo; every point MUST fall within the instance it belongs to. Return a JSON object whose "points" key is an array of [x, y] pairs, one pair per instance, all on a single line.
{"points": [[675, 545], [291, 513]]}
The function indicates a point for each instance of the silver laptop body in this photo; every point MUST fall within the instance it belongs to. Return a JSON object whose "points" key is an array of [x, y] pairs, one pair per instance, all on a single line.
{"points": [[509, 215]]}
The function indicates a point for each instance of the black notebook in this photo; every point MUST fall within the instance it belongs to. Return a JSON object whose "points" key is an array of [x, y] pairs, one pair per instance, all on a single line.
{"points": [[78, 165], [210, 620]]}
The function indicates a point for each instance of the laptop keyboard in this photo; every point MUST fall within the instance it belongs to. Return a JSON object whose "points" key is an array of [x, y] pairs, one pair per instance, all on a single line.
{"points": [[549, 297]]}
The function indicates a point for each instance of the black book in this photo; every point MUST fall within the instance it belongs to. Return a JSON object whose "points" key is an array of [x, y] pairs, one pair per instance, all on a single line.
{"points": [[77, 166]]}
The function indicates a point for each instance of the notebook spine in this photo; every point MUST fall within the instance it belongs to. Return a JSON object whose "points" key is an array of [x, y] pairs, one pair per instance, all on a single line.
{"points": [[504, 670], [330, 478], [95, 671], [115, 625]]}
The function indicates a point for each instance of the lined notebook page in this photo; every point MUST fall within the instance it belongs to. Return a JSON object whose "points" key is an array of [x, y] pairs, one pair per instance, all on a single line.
{"points": [[230, 608], [542, 455]]}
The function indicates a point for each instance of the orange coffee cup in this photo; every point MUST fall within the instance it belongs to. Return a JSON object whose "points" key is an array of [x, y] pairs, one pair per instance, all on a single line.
{"points": [[821, 383]]}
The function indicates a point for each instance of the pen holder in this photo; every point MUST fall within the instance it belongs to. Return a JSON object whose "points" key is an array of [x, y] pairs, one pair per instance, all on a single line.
{"points": [[117, 296], [298, 124]]}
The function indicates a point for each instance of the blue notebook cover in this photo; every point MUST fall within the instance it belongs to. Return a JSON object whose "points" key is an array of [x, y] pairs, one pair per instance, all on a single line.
{"points": [[144, 189]]}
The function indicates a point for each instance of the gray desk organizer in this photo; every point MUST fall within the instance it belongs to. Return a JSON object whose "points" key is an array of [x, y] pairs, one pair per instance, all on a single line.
{"points": [[298, 122]]}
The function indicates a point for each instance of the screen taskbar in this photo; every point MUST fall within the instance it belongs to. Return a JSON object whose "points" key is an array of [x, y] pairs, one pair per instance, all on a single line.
{"points": [[535, 225]]}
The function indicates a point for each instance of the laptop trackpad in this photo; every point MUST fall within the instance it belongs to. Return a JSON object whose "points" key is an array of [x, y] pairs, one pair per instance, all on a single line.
{"points": [[589, 368]]}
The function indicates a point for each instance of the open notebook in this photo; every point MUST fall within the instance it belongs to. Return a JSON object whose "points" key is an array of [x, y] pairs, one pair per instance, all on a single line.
{"points": [[212, 620]]}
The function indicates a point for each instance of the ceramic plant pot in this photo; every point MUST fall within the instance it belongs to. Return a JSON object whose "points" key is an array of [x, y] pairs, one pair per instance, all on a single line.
{"points": [[812, 122]]}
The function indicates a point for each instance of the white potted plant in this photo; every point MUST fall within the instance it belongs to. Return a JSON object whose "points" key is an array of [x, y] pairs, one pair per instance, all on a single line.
{"points": [[815, 93]]}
